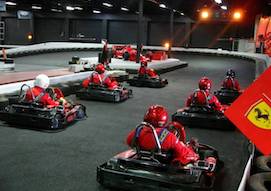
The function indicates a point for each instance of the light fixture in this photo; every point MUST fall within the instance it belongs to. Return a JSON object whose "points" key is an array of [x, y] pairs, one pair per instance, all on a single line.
{"points": [[107, 5], [237, 15], [36, 7], [167, 45], [78, 8], [224, 7], [124, 9], [218, 1], [182, 13], [69, 8], [11, 3], [56, 10], [204, 14], [96, 11], [162, 6]]}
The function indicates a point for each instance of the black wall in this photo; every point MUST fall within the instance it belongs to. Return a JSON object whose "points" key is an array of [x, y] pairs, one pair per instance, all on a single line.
{"points": [[121, 29], [49, 30], [16, 31]]}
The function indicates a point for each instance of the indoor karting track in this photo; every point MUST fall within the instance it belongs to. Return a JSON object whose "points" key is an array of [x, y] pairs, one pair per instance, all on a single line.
{"points": [[32, 160]]}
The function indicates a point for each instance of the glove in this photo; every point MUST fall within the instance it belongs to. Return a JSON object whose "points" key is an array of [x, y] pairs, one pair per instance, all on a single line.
{"points": [[194, 143]]}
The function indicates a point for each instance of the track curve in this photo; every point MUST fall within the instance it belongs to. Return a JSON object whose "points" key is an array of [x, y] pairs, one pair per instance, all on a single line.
{"points": [[32, 160]]}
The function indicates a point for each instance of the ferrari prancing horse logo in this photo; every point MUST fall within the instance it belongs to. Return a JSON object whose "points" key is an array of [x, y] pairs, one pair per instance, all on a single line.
{"points": [[259, 115]]}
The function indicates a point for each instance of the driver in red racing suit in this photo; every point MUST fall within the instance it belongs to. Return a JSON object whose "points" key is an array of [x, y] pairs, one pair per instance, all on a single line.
{"points": [[38, 93], [203, 96], [98, 77], [145, 71], [230, 82], [157, 116]]}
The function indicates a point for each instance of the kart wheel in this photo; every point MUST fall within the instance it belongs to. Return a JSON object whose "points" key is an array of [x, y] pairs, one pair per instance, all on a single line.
{"points": [[260, 182], [126, 55], [56, 122], [205, 181], [263, 164], [117, 96], [80, 113]]}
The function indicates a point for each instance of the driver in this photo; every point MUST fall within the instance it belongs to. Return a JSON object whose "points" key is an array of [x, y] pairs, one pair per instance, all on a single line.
{"points": [[38, 93], [145, 71], [203, 96], [98, 77], [157, 116], [230, 82]]}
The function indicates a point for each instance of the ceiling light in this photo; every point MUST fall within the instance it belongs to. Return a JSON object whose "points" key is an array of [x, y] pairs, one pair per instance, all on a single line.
{"points": [[182, 13], [78, 8], [124, 9], [69, 8], [56, 10], [162, 6], [204, 14], [36, 7], [218, 1], [237, 15], [11, 3], [224, 7], [107, 4], [96, 11]]}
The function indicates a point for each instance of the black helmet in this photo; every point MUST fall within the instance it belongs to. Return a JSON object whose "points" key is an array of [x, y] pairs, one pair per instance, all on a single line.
{"points": [[230, 73]]}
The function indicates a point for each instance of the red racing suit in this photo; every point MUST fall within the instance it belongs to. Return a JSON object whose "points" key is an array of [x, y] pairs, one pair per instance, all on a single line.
{"points": [[143, 70], [181, 152], [100, 79], [203, 97], [231, 83], [41, 96]]}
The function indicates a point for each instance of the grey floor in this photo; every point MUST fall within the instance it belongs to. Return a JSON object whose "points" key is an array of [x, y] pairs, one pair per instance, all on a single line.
{"points": [[31, 160]]}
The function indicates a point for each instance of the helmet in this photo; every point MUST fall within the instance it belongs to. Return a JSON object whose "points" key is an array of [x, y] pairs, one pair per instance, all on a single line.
{"points": [[42, 81], [177, 129], [100, 68], [230, 73], [157, 116], [205, 83]]}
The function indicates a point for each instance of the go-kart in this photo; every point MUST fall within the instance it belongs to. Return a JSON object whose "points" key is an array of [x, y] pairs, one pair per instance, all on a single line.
{"points": [[145, 81], [202, 116], [34, 115], [153, 170], [102, 93], [227, 96]]}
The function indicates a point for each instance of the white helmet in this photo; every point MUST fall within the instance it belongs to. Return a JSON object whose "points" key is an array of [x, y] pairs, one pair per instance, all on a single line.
{"points": [[42, 81]]}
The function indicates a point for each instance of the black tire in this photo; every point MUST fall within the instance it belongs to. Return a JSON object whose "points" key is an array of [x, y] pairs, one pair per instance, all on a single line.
{"points": [[126, 55], [263, 164], [117, 96], [260, 182], [206, 182], [56, 122], [81, 113]]}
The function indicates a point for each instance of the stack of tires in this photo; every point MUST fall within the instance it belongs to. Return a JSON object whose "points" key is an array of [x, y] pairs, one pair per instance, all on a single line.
{"points": [[261, 181]]}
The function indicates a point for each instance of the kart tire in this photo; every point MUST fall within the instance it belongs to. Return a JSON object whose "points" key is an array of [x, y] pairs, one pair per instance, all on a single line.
{"points": [[263, 164], [260, 182], [80, 113], [126, 55], [205, 181], [56, 122], [117, 97]]}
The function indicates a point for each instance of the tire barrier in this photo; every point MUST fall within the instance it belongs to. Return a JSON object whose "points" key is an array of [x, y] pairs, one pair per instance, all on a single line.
{"points": [[263, 164], [260, 182]]}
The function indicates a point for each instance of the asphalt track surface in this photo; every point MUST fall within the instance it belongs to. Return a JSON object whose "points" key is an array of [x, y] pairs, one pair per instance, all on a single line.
{"points": [[33, 160]]}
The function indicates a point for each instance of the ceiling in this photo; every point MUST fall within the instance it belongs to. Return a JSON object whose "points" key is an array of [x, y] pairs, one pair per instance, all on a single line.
{"points": [[189, 7]]}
